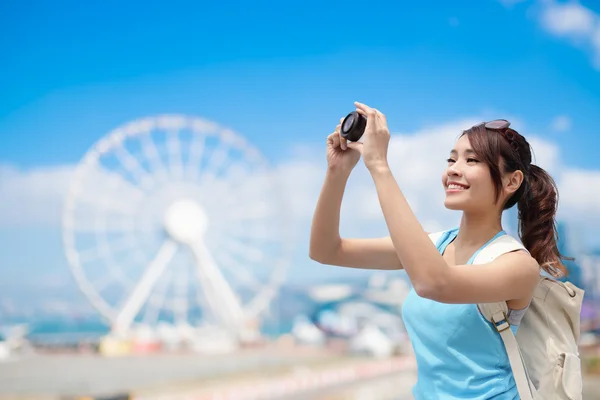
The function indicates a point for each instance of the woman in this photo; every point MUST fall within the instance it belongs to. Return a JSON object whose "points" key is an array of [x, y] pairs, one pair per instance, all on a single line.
{"points": [[458, 353]]}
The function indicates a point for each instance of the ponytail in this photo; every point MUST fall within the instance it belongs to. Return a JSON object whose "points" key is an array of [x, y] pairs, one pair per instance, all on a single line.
{"points": [[537, 227]]}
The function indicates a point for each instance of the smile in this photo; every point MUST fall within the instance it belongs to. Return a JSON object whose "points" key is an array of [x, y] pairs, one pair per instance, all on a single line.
{"points": [[455, 187]]}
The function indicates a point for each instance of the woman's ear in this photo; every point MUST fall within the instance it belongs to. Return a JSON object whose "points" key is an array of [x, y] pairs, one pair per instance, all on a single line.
{"points": [[513, 182]]}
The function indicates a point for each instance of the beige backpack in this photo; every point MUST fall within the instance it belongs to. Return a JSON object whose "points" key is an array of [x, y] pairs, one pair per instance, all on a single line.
{"points": [[544, 354]]}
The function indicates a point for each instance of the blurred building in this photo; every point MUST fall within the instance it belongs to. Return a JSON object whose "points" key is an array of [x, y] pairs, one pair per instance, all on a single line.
{"points": [[590, 264], [565, 248]]}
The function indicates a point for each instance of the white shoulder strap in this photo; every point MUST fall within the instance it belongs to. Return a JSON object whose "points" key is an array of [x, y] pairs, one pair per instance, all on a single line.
{"points": [[501, 245], [496, 313], [436, 236]]}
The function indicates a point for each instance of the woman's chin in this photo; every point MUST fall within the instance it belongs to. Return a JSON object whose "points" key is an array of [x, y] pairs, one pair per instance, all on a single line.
{"points": [[452, 204]]}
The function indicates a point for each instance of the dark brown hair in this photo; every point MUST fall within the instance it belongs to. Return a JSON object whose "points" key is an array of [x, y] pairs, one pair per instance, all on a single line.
{"points": [[537, 197]]}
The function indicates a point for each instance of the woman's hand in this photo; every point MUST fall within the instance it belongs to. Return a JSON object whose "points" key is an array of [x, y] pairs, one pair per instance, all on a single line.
{"points": [[340, 157], [376, 138]]}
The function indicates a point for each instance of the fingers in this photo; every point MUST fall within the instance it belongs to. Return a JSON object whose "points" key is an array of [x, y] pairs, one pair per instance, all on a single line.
{"points": [[368, 111], [356, 146], [334, 139], [342, 140], [365, 110]]}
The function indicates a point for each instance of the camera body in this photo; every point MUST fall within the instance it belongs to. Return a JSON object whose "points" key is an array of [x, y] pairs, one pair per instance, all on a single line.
{"points": [[353, 126]]}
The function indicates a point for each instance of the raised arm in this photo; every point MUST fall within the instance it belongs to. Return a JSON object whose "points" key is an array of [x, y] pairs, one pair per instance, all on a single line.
{"points": [[326, 245]]}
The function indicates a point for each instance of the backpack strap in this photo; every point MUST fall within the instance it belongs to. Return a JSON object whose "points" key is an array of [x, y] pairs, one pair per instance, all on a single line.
{"points": [[497, 314]]}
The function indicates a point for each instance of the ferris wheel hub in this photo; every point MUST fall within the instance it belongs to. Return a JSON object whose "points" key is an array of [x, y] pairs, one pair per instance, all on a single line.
{"points": [[186, 221]]}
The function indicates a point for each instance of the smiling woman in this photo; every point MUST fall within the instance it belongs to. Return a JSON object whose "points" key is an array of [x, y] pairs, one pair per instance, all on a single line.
{"points": [[489, 170], [507, 157]]}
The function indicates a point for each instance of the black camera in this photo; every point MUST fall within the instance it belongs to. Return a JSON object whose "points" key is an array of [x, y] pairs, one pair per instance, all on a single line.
{"points": [[353, 126]]}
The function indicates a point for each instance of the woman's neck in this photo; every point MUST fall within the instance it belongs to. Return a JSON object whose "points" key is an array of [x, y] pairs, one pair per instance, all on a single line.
{"points": [[476, 229]]}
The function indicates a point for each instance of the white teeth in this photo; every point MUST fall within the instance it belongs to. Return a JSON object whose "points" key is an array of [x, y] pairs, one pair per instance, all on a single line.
{"points": [[456, 187]]}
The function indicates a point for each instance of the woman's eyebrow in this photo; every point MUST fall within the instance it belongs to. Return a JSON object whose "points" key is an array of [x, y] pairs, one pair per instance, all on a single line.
{"points": [[467, 151]]}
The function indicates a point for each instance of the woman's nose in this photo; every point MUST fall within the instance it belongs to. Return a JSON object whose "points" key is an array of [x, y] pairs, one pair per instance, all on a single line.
{"points": [[453, 170]]}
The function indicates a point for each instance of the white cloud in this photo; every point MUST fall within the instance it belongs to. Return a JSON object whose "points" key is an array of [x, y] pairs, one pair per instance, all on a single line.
{"points": [[571, 21], [545, 154], [580, 193], [36, 197], [596, 37], [417, 161], [561, 123], [596, 45], [575, 22], [568, 19], [32, 197]]}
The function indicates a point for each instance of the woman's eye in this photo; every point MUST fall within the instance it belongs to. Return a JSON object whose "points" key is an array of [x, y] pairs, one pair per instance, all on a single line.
{"points": [[472, 160], [450, 160]]}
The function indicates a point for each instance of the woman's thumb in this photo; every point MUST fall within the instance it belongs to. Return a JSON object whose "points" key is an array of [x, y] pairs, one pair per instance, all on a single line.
{"points": [[355, 145]]}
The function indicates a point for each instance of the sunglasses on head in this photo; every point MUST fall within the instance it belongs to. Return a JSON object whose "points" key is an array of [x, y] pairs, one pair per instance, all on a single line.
{"points": [[501, 125], [497, 124]]}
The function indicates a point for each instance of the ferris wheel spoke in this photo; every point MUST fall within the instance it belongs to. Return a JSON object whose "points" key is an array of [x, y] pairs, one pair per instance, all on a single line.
{"points": [[236, 172], [111, 204], [87, 222], [253, 211], [251, 193], [203, 303], [215, 163], [129, 182], [157, 300], [235, 246], [233, 177], [142, 290], [181, 300], [111, 265], [256, 233], [92, 254], [228, 182], [151, 153], [239, 270], [110, 248], [133, 259], [117, 182], [104, 282], [174, 150], [195, 156], [218, 294], [261, 301], [117, 273], [114, 274], [132, 166]]}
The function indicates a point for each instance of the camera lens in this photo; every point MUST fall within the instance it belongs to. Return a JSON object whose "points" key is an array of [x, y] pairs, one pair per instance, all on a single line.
{"points": [[348, 123], [353, 126]]}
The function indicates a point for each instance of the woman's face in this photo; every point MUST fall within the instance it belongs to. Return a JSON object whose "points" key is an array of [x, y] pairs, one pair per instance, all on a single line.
{"points": [[467, 180]]}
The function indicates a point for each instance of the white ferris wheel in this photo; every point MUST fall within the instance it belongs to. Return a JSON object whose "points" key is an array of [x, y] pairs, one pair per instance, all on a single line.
{"points": [[174, 219]]}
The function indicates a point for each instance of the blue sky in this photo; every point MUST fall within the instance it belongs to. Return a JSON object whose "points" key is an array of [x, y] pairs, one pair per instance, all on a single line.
{"points": [[282, 74], [73, 72]]}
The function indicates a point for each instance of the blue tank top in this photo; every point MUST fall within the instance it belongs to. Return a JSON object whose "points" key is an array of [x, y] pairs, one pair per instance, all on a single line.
{"points": [[459, 354]]}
